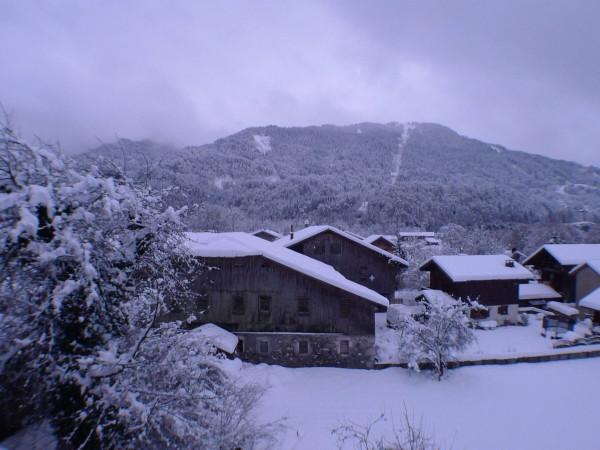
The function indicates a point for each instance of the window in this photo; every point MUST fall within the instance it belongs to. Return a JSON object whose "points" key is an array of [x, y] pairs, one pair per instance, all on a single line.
{"points": [[344, 308], [503, 310], [335, 248], [240, 346], [264, 305], [319, 248], [303, 306], [238, 307], [303, 347], [364, 273], [344, 347], [263, 346]]}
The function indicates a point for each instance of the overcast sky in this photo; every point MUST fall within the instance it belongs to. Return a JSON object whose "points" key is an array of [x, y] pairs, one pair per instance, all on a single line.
{"points": [[524, 74]]}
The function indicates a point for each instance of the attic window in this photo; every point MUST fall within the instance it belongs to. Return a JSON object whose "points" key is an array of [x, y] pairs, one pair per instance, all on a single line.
{"points": [[319, 248], [238, 307], [303, 306], [264, 305]]}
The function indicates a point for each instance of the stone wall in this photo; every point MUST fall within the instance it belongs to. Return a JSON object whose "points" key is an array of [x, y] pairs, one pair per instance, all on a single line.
{"points": [[308, 349]]}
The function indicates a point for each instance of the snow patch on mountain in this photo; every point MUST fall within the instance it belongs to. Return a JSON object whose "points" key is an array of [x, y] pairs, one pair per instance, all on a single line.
{"points": [[222, 182], [262, 143], [402, 140]]}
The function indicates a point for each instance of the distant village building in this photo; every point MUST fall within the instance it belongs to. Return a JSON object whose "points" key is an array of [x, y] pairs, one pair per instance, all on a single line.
{"points": [[408, 236], [555, 262], [267, 235], [492, 280], [353, 257], [384, 242], [285, 308], [587, 288]]}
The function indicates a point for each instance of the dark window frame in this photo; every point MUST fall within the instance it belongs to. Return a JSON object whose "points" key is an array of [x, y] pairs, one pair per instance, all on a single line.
{"points": [[261, 303], [238, 305], [267, 346], [344, 347], [303, 347], [303, 306], [503, 310]]}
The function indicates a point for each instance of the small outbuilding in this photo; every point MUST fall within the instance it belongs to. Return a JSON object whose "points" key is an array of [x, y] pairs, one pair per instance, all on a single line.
{"points": [[383, 241], [536, 294]]}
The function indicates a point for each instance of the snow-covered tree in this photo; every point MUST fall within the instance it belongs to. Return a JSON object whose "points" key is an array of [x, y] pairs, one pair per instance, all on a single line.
{"points": [[88, 263], [433, 336]]}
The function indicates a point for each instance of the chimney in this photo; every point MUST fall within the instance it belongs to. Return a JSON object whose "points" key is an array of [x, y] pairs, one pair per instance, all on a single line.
{"points": [[509, 263], [291, 232]]}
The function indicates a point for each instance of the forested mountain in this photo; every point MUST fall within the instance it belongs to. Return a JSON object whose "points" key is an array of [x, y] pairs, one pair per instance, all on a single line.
{"points": [[365, 176]]}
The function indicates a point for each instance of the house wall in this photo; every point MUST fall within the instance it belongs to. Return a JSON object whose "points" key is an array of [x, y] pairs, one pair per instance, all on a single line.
{"points": [[354, 261], [331, 310], [586, 280], [488, 292], [323, 349]]}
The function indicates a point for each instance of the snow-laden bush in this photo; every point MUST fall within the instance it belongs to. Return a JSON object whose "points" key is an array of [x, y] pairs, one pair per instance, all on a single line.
{"points": [[88, 263], [433, 336]]}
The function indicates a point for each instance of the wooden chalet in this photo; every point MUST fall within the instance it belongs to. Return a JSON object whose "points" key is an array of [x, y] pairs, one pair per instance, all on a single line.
{"points": [[556, 261], [384, 242], [587, 288], [284, 307], [354, 258], [492, 280], [267, 235]]}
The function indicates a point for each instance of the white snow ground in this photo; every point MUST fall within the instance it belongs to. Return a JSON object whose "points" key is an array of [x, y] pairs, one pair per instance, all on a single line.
{"points": [[546, 406]]}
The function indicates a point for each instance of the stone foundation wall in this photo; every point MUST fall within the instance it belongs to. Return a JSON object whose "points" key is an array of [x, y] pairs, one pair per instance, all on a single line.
{"points": [[308, 349]]}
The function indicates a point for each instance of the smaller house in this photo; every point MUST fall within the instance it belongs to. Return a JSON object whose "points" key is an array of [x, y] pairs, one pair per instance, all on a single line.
{"points": [[586, 278], [536, 294], [556, 261], [492, 280], [590, 305], [267, 235], [384, 242]]}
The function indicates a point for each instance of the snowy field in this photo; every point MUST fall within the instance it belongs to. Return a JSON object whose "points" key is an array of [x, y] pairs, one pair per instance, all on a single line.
{"points": [[546, 406]]}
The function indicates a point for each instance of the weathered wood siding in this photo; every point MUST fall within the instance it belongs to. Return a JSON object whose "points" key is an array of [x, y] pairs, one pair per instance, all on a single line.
{"points": [[354, 261], [488, 292], [330, 310], [586, 280]]}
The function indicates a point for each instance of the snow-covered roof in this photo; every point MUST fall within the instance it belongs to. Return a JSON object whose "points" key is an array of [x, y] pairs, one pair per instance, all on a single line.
{"points": [[311, 231], [231, 245], [478, 267], [217, 336], [267, 231], [569, 254], [419, 234], [562, 308], [373, 237], [437, 296], [532, 291], [592, 300], [593, 264]]}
